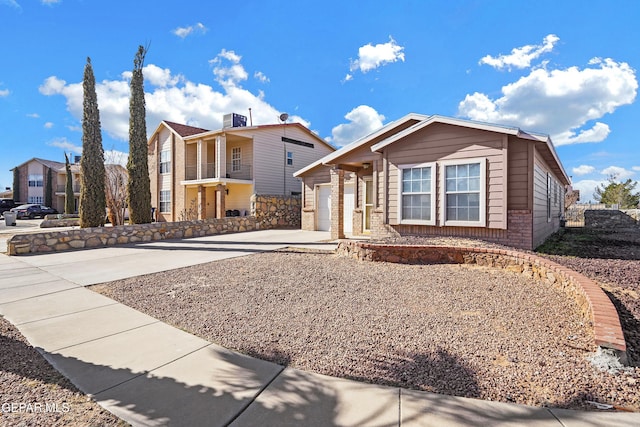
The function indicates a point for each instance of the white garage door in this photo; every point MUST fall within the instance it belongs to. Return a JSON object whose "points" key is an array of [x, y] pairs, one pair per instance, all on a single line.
{"points": [[324, 207]]}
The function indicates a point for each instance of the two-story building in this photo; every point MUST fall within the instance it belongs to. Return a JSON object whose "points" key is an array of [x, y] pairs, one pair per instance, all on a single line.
{"points": [[32, 182], [197, 173]]}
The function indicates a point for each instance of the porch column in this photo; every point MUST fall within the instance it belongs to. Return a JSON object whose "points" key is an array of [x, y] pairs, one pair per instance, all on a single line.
{"points": [[199, 173], [202, 202], [337, 204], [220, 194], [221, 157]]}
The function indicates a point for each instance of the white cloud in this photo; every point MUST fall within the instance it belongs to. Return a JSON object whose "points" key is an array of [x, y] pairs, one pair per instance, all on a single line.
{"points": [[4, 92], [50, 2], [371, 57], [183, 32], [172, 97], [587, 187], [583, 170], [115, 157], [362, 121], [260, 76], [11, 3], [636, 168], [521, 57], [48, 125], [617, 173], [33, 115], [66, 145], [561, 102]]}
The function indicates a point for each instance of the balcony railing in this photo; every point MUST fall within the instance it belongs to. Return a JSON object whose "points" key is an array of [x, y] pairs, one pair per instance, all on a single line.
{"points": [[241, 171], [63, 188], [236, 171]]}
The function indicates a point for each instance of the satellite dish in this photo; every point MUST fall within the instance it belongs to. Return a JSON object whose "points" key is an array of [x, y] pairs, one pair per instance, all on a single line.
{"points": [[284, 117]]}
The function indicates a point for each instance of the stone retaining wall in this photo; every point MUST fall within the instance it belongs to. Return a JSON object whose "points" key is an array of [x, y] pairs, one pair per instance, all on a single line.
{"points": [[81, 238], [276, 211], [608, 220], [596, 307]]}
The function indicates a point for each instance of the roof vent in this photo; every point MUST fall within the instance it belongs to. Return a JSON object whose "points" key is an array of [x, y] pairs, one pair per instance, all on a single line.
{"points": [[234, 120]]}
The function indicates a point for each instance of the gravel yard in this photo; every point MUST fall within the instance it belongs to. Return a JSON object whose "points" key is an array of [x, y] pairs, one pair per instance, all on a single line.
{"points": [[451, 329], [27, 378]]}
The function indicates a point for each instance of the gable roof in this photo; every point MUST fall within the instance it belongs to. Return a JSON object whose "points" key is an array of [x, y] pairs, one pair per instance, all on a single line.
{"points": [[326, 160], [556, 165], [52, 164], [184, 130], [422, 121]]}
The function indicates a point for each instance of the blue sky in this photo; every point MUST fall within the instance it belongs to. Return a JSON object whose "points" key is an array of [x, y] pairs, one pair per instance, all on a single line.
{"points": [[565, 68]]}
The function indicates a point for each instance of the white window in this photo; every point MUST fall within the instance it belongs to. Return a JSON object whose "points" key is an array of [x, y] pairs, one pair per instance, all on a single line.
{"points": [[289, 158], [236, 159], [35, 181], [417, 191], [464, 192], [38, 200], [165, 161], [165, 201]]}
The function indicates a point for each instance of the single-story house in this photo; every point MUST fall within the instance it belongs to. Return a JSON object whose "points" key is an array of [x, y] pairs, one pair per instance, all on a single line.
{"points": [[439, 176]]}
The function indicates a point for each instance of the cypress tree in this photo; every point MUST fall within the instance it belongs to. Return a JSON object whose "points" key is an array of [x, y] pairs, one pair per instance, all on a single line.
{"points": [[139, 187], [48, 189], [16, 185], [69, 207], [92, 198]]}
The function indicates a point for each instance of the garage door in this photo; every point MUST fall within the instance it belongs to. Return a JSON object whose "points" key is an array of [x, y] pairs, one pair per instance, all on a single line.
{"points": [[324, 208]]}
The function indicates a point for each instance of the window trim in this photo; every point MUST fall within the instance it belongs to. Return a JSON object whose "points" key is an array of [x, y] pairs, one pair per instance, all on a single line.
{"points": [[482, 221], [432, 192], [234, 151], [166, 163], [289, 158], [161, 201]]}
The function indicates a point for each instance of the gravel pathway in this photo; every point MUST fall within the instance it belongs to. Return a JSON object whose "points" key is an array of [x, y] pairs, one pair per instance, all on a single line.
{"points": [[451, 329]]}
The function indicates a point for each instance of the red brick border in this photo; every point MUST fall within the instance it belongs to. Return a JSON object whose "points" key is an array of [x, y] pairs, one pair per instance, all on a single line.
{"points": [[594, 303]]}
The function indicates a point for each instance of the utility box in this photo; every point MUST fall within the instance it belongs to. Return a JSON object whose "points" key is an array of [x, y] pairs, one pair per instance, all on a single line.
{"points": [[234, 120]]}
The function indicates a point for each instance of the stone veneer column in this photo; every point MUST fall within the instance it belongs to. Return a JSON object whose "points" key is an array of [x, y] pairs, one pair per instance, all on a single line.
{"points": [[337, 204]]}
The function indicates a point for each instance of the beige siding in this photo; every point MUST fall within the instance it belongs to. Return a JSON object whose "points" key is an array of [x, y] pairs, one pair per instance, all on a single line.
{"points": [[319, 176], [543, 227], [443, 142], [271, 174], [519, 185]]}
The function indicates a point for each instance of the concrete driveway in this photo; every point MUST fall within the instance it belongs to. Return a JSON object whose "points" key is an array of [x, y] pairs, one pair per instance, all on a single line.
{"points": [[89, 267]]}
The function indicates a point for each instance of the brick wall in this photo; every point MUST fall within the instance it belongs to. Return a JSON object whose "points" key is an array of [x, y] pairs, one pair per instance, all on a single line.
{"points": [[337, 204], [519, 233], [308, 219]]}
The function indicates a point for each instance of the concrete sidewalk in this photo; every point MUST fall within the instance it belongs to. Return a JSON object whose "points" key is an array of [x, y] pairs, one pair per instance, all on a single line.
{"points": [[149, 373]]}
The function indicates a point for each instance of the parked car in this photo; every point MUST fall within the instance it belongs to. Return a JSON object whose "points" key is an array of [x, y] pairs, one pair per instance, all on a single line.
{"points": [[6, 205], [32, 211]]}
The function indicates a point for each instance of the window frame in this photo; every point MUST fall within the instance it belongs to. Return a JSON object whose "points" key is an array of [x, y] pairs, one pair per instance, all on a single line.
{"points": [[432, 193], [482, 217], [236, 162], [36, 179], [289, 158], [164, 201], [166, 162]]}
